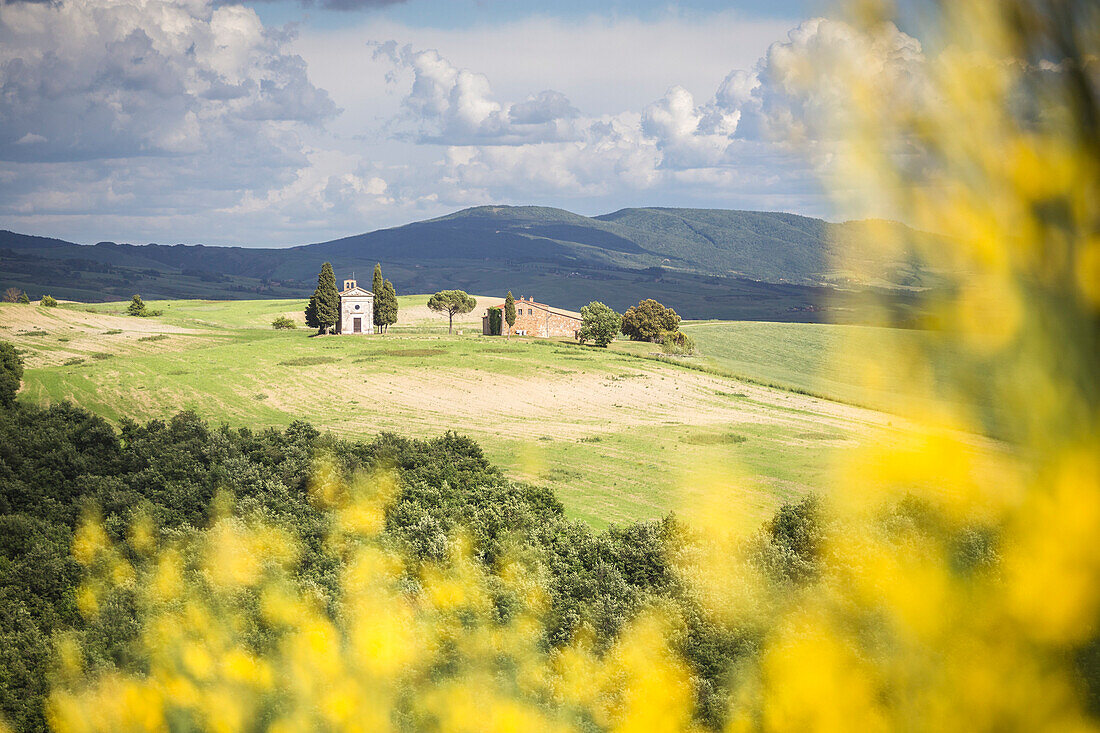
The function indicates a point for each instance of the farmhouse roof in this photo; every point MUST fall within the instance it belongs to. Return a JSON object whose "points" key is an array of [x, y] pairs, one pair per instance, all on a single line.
{"points": [[543, 306]]}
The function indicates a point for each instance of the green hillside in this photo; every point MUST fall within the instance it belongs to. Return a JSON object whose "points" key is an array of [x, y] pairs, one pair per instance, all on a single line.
{"points": [[705, 263], [618, 437], [802, 356]]}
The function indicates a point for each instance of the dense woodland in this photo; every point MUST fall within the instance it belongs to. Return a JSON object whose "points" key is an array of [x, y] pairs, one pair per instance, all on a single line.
{"points": [[60, 463]]}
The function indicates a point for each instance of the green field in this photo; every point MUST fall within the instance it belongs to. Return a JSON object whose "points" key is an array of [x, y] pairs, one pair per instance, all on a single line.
{"points": [[618, 437], [818, 358]]}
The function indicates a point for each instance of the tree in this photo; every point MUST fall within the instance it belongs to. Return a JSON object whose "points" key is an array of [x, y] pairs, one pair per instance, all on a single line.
{"points": [[11, 373], [23, 298], [376, 287], [137, 306], [49, 301], [510, 312], [451, 302], [599, 324], [11, 295], [385, 306], [282, 323], [323, 310], [649, 321]]}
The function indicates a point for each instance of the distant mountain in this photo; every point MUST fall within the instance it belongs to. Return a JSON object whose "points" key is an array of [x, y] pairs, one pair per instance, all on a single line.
{"points": [[707, 263]]}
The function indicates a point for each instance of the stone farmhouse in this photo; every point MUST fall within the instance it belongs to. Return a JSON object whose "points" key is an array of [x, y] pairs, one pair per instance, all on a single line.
{"points": [[533, 319], [356, 309]]}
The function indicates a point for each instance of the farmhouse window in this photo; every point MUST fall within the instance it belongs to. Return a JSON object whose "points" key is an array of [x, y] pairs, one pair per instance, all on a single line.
{"points": [[530, 312]]}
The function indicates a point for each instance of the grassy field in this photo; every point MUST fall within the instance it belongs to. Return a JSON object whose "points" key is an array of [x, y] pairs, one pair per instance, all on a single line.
{"points": [[802, 356], [619, 438]]}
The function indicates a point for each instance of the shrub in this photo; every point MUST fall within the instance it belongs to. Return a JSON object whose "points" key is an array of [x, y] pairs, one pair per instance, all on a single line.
{"points": [[137, 306], [282, 323], [648, 321], [677, 342], [49, 301]]}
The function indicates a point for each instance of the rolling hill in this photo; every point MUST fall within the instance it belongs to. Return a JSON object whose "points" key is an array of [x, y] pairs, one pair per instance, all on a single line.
{"points": [[707, 263]]}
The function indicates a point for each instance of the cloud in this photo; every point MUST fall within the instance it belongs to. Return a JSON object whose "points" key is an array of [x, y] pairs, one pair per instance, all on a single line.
{"points": [[609, 154], [805, 85], [326, 4], [454, 106], [126, 78], [689, 136], [764, 135], [541, 108], [187, 120], [30, 139]]}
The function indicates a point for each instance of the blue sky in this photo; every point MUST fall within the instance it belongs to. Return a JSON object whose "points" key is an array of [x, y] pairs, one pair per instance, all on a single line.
{"points": [[280, 123]]}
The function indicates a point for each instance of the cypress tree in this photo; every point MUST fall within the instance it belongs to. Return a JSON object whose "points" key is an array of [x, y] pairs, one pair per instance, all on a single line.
{"points": [[510, 312], [311, 312], [323, 309], [376, 288], [386, 306]]}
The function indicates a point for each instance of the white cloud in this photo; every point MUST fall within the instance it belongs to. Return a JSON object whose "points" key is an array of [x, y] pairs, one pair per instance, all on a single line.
{"points": [[765, 129], [188, 121], [807, 83], [123, 78], [689, 136], [449, 105], [30, 139]]}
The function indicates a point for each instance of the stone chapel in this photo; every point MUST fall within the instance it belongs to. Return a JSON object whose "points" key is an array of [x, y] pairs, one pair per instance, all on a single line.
{"points": [[356, 309]]}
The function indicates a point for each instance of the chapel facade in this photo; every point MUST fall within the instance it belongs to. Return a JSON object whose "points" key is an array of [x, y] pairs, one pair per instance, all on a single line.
{"points": [[356, 310]]}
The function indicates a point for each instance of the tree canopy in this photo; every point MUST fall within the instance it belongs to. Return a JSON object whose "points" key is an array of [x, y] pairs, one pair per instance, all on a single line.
{"points": [[599, 324], [451, 302], [323, 310], [176, 475], [649, 321], [11, 373]]}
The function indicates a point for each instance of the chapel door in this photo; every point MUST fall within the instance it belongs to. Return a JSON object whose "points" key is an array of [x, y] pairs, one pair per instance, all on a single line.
{"points": [[357, 325]]}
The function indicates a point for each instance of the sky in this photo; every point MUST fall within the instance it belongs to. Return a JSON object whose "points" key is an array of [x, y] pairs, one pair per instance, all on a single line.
{"points": [[267, 124]]}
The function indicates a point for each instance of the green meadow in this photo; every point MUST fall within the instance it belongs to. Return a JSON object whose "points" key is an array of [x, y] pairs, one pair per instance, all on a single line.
{"points": [[618, 434]]}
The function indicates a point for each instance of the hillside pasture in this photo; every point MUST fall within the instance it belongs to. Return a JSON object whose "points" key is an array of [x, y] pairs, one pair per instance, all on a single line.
{"points": [[617, 437], [413, 314], [800, 356]]}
